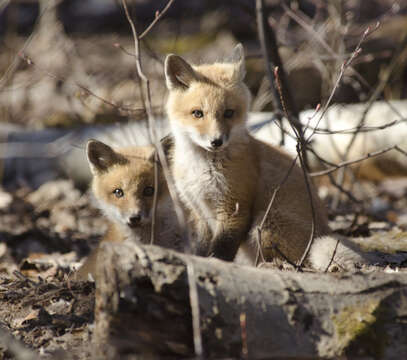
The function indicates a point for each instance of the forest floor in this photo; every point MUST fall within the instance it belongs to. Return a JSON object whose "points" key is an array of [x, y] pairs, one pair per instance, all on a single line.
{"points": [[45, 234]]}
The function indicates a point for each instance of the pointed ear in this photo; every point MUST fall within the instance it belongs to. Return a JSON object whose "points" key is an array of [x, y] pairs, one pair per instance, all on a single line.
{"points": [[237, 58], [167, 144], [101, 156], [178, 73], [151, 157], [237, 54]]}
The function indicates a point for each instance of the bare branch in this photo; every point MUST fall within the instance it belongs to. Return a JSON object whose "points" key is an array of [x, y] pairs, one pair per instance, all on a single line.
{"points": [[272, 60], [267, 37], [338, 80], [14, 65], [158, 16], [151, 122], [62, 79], [350, 162], [301, 148], [377, 91], [343, 190], [155, 198], [266, 214], [356, 129]]}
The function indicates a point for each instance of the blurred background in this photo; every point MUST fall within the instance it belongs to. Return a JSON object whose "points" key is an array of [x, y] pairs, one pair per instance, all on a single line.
{"points": [[68, 70], [80, 45]]}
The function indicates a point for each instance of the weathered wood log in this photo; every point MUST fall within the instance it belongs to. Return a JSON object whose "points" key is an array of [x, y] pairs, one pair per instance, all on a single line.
{"points": [[143, 306]]}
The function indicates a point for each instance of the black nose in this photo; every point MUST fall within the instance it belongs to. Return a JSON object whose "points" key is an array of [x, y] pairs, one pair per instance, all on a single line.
{"points": [[217, 143], [135, 220]]}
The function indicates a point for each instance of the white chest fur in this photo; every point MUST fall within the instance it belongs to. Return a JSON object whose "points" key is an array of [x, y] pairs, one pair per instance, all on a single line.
{"points": [[199, 178]]}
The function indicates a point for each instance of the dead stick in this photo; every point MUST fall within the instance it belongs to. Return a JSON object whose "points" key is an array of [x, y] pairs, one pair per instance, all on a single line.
{"points": [[158, 16], [350, 162], [272, 59]]}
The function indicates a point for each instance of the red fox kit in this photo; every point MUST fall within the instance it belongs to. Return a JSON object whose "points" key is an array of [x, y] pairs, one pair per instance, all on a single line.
{"points": [[225, 177], [123, 186]]}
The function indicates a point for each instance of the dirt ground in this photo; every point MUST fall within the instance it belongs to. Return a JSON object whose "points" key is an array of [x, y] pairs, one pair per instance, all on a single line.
{"points": [[45, 234]]}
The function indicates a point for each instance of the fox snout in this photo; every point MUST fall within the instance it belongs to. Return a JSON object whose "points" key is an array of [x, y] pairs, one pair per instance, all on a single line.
{"points": [[134, 220], [218, 136], [218, 142], [137, 219]]}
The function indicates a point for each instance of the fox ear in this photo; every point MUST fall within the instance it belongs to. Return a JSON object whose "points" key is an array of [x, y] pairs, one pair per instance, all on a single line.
{"points": [[101, 156], [237, 54], [237, 58], [167, 144], [178, 73]]}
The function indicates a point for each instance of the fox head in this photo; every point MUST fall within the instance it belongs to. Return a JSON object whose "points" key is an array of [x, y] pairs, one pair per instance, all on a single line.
{"points": [[207, 104], [123, 182]]}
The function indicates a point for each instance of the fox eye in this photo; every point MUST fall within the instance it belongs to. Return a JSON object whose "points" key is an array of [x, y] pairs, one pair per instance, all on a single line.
{"points": [[197, 113], [148, 191], [228, 113], [118, 193]]}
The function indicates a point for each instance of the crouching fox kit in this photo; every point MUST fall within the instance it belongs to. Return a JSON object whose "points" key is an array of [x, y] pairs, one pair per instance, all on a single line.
{"points": [[224, 177], [123, 187]]}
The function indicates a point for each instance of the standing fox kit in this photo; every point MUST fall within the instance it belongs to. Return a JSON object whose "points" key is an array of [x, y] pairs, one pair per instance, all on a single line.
{"points": [[225, 178], [123, 186]]}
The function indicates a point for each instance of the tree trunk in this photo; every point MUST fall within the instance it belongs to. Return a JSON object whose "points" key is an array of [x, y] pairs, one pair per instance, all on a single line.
{"points": [[143, 307]]}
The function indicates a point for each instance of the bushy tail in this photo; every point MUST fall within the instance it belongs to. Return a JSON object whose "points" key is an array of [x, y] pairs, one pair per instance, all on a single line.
{"points": [[341, 253]]}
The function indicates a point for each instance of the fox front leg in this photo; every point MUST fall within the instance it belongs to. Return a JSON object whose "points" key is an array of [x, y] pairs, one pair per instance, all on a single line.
{"points": [[231, 232], [202, 236]]}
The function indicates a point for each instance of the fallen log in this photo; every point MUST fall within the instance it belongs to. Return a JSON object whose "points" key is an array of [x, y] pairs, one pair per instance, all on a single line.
{"points": [[143, 307]]}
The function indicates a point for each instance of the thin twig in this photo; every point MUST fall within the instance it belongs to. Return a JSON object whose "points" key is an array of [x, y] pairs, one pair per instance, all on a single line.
{"points": [[147, 106], [275, 248], [14, 65], [265, 49], [337, 82], [272, 60], [151, 122], [267, 38], [64, 80], [155, 198], [193, 291], [326, 46], [356, 129], [332, 257], [378, 90], [300, 151], [158, 16], [266, 214], [350, 162], [344, 191], [258, 238], [344, 66], [316, 35]]}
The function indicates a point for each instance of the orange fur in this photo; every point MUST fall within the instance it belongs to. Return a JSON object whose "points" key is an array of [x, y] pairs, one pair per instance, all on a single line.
{"points": [[130, 170], [226, 188]]}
